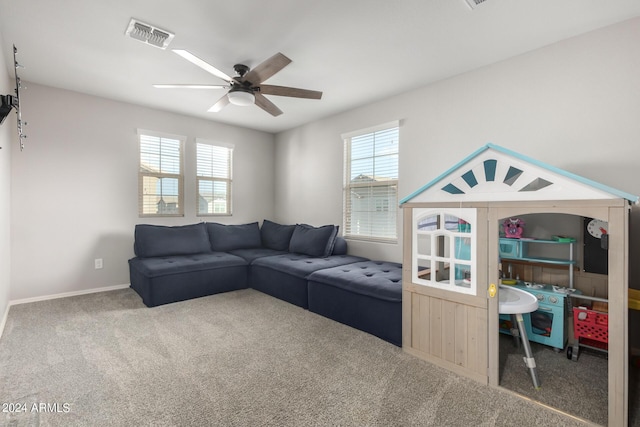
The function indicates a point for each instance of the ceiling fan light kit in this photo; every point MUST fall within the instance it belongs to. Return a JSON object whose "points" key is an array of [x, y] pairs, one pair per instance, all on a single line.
{"points": [[246, 87], [241, 97]]}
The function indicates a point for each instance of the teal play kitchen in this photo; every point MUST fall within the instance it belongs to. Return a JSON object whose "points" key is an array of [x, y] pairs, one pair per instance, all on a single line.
{"points": [[547, 325]]}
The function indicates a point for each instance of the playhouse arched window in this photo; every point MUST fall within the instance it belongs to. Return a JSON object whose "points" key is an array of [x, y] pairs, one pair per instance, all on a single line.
{"points": [[444, 250]]}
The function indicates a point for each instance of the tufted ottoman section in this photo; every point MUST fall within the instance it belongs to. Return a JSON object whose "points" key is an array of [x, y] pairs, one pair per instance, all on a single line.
{"points": [[162, 280], [285, 276], [365, 295]]}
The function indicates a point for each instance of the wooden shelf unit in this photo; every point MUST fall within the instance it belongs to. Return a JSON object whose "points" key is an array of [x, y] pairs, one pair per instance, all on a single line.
{"points": [[516, 251]]}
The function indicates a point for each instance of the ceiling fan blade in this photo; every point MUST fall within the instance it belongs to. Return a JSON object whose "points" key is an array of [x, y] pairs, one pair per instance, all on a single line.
{"points": [[267, 69], [222, 102], [187, 86], [202, 64], [289, 91], [267, 105]]}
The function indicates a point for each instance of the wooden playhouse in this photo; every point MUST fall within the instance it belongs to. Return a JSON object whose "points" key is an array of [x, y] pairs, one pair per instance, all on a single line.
{"points": [[451, 259]]}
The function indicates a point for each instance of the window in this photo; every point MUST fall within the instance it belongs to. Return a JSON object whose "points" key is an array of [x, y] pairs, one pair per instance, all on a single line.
{"points": [[444, 250], [371, 183], [160, 181], [213, 177]]}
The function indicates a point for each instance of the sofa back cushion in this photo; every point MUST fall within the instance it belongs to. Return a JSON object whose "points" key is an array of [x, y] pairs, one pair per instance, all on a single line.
{"points": [[159, 240], [313, 241], [231, 237], [340, 247], [276, 236]]}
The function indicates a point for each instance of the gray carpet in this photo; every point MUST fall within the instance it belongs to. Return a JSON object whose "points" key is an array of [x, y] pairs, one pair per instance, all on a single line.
{"points": [[240, 359], [578, 388]]}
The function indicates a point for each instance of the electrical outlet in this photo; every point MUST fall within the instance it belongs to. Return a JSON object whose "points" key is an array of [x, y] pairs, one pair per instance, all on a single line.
{"points": [[97, 263]]}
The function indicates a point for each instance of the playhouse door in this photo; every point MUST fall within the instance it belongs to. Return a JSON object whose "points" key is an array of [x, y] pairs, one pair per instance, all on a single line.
{"points": [[445, 288]]}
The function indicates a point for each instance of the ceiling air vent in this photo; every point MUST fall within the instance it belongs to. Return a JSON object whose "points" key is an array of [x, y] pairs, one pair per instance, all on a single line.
{"points": [[149, 34], [473, 3]]}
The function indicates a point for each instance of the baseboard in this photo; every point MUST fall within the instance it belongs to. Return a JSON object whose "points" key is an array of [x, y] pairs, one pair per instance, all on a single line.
{"points": [[66, 295], [3, 321]]}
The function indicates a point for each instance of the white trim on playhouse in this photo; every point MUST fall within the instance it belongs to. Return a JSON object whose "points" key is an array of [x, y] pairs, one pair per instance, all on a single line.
{"points": [[494, 173]]}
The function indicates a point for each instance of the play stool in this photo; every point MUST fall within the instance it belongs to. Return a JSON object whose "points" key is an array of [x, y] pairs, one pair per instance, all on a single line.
{"points": [[515, 302]]}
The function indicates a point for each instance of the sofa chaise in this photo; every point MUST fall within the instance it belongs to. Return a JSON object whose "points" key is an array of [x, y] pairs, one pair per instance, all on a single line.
{"points": [[366, 295], [304, 265]]}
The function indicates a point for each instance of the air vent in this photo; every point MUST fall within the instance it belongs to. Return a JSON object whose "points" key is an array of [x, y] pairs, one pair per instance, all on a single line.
{"points": [[149, 34], [473, 3]]}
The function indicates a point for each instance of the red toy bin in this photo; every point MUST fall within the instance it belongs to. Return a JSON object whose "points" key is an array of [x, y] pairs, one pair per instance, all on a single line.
{"points": [[591, 325]]}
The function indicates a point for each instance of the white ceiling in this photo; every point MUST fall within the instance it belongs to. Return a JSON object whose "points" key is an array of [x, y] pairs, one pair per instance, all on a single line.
{"points": [[355, 51]]}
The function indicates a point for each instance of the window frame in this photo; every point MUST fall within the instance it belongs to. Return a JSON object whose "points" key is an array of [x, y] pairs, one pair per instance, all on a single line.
{"points": [[160, 175], [228, 180], [348, 185], [438, 244]]}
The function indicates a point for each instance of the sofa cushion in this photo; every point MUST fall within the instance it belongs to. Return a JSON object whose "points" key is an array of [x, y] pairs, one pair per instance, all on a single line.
{"points": [[340, 247], [276, 236], [365, 295], [230, 237], [164, 280], [254, 253], [313, 241], [300, 265], [377, 279], [284, 276], [160, 266], [158, 240]]}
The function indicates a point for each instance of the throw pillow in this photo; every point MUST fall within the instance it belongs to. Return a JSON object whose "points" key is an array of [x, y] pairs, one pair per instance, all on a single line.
{"points": [[313, 241], [340, 248], [276, 236]]}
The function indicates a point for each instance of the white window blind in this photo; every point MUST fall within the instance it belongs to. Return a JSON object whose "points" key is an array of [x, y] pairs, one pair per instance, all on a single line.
{"points": [[371, 184], [160, 191], [213, 177]]}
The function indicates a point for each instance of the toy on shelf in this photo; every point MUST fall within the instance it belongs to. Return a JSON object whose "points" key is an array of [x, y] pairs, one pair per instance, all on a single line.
{"points": [[563, 239], [513, 228]]}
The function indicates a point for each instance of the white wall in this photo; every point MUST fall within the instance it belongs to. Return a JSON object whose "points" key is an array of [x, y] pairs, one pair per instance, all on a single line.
{"points": [[6, 142], [75, 187], [574, 104]]}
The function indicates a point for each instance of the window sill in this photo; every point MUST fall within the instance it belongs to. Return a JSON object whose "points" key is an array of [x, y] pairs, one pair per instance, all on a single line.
{"points": [[371, 239]]}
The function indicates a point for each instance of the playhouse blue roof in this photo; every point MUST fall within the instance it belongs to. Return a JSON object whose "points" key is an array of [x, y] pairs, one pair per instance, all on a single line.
{"points": [[618, 193]]}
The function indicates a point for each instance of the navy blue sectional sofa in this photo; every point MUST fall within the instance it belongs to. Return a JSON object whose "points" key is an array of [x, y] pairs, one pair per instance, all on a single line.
{"points": [[304, 265]]}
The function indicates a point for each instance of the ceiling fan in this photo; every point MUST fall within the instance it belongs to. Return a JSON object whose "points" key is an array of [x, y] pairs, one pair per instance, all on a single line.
{"points": [[246, 87]]}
